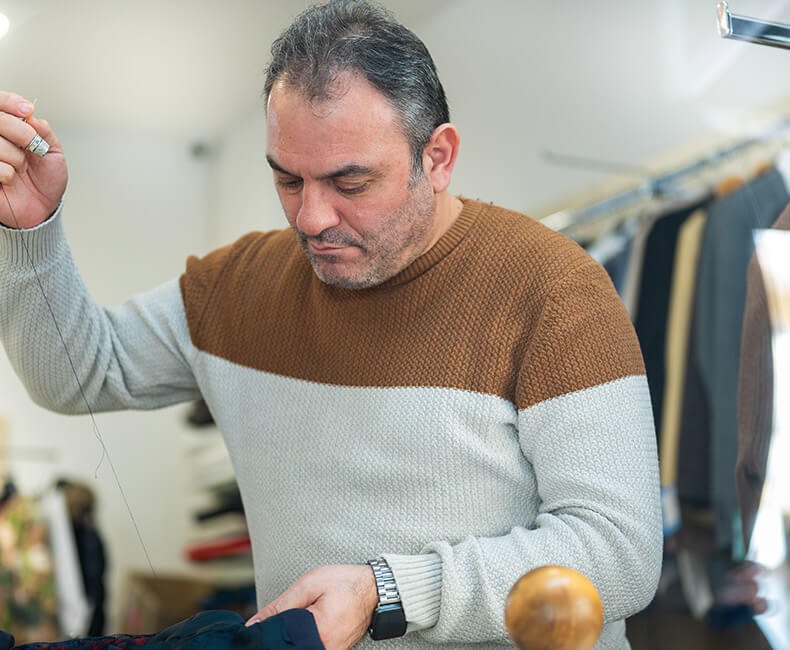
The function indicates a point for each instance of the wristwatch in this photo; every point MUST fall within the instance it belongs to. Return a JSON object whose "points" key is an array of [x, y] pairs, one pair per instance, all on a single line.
{"points": [[389, 619]]}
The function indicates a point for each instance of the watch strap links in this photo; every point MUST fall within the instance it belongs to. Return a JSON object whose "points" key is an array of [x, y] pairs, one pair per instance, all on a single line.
{"points": [[389, 619]]}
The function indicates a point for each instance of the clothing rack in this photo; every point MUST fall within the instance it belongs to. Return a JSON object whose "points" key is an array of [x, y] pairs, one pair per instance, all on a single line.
{"points": [[752, 30], [658, 187]]}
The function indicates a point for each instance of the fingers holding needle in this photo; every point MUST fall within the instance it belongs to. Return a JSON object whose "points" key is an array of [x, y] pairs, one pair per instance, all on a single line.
{"points": [[38, 146]]}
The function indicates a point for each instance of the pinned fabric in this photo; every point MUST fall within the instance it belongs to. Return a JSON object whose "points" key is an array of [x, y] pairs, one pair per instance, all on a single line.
{"points": [[294, 629]]}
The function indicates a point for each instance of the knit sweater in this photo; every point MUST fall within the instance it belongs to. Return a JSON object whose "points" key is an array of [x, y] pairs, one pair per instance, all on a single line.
{"points": [[480, 414]]}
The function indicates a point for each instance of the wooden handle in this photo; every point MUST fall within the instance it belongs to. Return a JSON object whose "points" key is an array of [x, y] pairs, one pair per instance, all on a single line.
{"points": [[554, 608]]}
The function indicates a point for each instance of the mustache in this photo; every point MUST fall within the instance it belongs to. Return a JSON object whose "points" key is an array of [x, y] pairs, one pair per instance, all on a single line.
{"points": [[330, 238]]}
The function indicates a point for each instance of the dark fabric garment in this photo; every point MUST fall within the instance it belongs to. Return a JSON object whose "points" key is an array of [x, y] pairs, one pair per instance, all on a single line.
{"points": [[229, 502], [294, 629], [755, 393], [199, 415], [653, 305], [714, 343], [219, 630], [694, 453], [90, 550], [119, 642], [617, 268], [234, 599]]}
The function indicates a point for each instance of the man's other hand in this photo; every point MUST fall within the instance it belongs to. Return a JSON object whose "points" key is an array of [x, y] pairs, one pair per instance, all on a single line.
{"points": [[342, 598], [34, 185]]}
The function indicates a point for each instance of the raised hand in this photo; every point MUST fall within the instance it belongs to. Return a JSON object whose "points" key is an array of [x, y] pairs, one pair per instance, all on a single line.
{"points": [[34, 185]]}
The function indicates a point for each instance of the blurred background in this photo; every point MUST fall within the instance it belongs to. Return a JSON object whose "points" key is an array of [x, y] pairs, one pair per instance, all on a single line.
{"points": [[561, 106]]}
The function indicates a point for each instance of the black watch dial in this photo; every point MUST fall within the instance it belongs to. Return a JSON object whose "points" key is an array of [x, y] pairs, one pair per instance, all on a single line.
{"points": [[389, 622]]}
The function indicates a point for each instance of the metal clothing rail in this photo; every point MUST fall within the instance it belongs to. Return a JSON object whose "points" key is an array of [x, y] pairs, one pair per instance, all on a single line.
{"points": [[752, 30], [657, 187]]}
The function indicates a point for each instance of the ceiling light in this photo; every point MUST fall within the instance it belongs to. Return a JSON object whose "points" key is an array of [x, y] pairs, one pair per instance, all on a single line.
{"points": [[4, 25]]}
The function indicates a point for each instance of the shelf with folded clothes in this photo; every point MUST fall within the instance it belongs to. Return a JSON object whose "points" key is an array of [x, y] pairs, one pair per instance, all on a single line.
{"points": [[217, 532]]}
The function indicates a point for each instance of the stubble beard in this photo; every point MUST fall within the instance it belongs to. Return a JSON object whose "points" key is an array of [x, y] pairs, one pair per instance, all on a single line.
{"points": [[385, 253]]}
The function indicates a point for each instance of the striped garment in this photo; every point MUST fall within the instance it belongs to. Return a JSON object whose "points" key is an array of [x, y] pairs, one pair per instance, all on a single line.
{"points": [[482, 413]]}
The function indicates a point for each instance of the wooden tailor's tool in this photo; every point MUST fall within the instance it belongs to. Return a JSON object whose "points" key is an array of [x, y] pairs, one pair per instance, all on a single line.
{"points": [[554, 608]]}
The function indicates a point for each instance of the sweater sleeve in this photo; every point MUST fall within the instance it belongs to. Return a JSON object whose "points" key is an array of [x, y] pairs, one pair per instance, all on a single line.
{"points": [[586, 428], [131, 356]]}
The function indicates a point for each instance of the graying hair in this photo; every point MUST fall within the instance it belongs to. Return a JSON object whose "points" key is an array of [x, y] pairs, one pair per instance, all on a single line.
{"points": [[353, 35]]}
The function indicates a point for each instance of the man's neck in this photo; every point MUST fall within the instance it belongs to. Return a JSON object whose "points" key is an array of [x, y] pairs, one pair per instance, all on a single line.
{"points": [[448, 207]]}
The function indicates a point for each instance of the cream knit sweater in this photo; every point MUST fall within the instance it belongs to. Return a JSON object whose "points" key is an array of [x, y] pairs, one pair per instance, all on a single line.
{"points": [[482, 413]]}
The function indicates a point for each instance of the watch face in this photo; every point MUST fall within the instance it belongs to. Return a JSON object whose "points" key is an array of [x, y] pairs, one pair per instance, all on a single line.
{"points": [[389, 622]]}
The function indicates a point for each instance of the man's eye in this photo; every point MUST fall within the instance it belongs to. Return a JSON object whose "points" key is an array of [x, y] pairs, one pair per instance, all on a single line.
{"points": [[290, 185], [357, 189]]}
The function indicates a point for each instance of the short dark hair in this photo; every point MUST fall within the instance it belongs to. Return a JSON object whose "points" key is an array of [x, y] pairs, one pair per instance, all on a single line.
{"points": [[353, 35]]}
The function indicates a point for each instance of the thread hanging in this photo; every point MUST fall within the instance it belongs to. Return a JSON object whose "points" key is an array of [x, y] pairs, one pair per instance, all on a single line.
{"points": [[96, 432]]}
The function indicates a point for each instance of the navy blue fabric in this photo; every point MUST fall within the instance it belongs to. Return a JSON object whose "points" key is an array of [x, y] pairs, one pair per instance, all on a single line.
{"points": [[653, 307], [294, 629]]}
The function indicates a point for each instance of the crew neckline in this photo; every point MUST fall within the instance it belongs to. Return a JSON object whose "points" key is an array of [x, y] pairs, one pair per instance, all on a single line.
{"points": [[446, 243]]}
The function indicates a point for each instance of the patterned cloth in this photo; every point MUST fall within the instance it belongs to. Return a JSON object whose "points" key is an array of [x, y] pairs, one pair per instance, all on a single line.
{"points": [[28, 605], [294, 629]]}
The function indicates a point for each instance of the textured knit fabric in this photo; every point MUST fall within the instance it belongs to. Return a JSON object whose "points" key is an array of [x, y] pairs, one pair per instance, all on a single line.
{"points": [[480, 414], [755, 393], [714, 346]]}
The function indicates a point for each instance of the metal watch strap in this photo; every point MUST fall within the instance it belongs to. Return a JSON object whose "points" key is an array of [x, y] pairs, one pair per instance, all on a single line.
{"points": [[385, 581], [389, 619]]}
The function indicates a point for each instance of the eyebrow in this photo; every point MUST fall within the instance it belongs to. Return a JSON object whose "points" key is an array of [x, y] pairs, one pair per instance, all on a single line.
{"points": [[352, 170]]}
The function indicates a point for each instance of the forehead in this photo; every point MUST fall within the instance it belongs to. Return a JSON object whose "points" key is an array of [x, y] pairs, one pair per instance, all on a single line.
{"points": [[359, 125]]}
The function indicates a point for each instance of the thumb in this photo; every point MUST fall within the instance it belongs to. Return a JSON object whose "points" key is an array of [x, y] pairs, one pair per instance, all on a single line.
{"points": [[297, 596]]}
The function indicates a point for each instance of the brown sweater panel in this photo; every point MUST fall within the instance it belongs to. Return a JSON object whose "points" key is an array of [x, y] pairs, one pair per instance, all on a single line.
{"points": [[501, 305], [755, 392]]}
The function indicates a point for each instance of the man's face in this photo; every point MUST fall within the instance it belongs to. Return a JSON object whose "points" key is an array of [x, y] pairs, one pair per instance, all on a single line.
{"points": [[342, 170]]}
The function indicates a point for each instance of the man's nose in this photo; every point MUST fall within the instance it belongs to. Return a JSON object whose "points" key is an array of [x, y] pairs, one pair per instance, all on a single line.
{"points": [[316, 213]]}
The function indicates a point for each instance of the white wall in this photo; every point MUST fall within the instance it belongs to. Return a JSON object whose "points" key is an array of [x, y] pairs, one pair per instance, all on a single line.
{"points": [[622, 81], [245, 196], [136, 206]]}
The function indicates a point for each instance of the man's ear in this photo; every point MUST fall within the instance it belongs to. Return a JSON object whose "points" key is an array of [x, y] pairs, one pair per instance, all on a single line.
{"points": [[438, 156]]}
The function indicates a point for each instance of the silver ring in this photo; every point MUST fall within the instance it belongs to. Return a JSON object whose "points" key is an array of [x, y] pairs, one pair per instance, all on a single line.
{"points": [[34, 143], [38, 146], [41, 149]]}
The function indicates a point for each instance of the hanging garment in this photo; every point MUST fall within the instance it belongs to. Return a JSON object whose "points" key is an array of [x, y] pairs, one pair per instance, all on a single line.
{"points": [[613, 252], [755, 393], [650, 318], [633, 273], [681, 299], [711, 385], [293, 629], [90, 550], [28, 605], [74, 612], [225, 503], [80, 504], [783, 166]]}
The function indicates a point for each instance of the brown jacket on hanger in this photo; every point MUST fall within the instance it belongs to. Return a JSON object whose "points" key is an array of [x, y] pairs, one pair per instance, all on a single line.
{"points": [[755, 393]]}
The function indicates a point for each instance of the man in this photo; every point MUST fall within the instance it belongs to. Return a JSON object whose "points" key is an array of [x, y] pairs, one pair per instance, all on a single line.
{"points": [[435, 383]]}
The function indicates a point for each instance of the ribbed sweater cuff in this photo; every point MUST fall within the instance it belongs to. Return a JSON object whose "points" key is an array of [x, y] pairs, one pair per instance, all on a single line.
{"points": [[41, 241], [419, 580]]}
